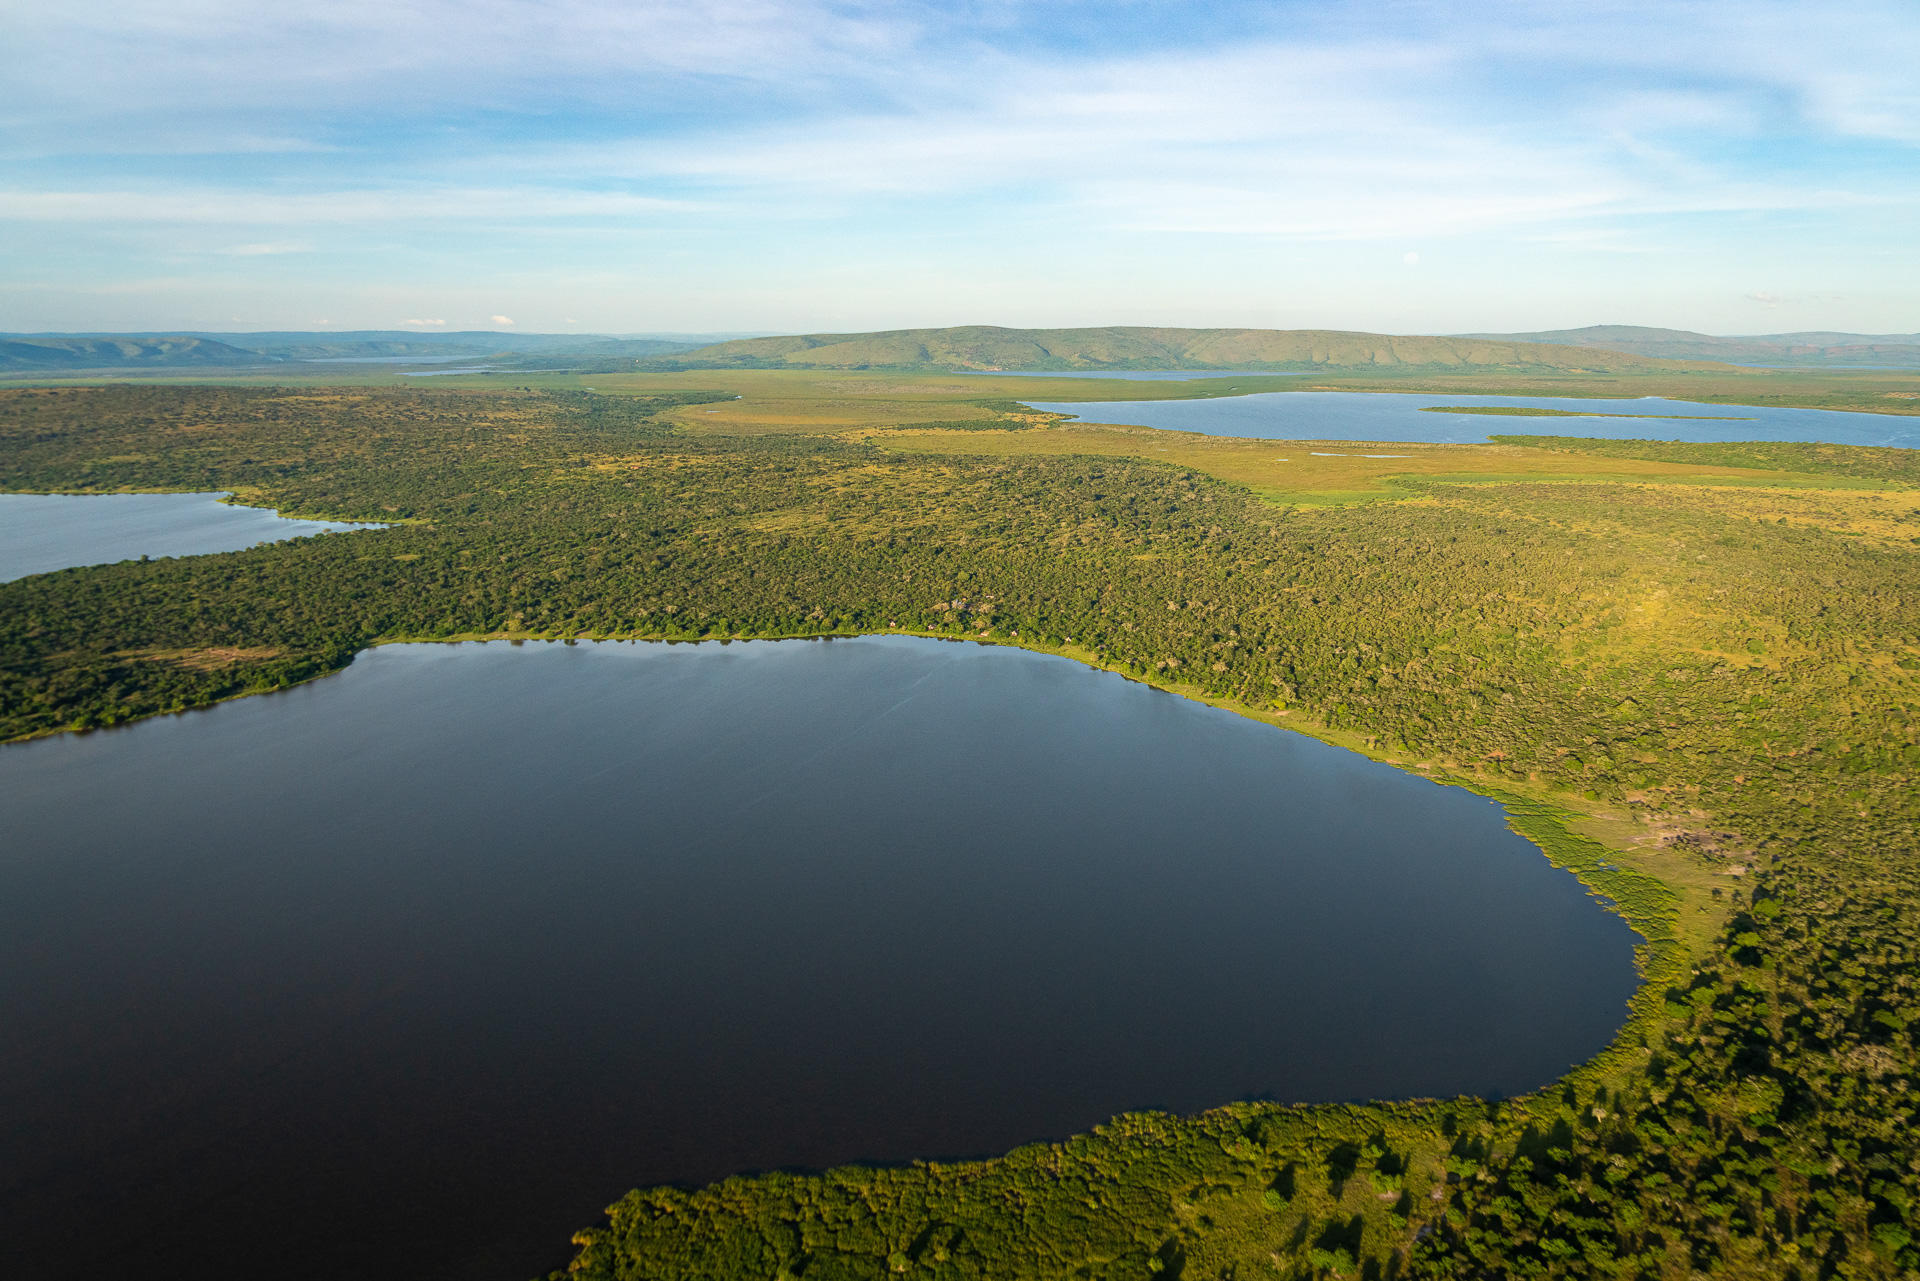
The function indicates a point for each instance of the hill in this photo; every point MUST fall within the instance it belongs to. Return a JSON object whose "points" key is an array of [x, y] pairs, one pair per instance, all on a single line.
{"points": [[991, 348], [119, 352], [362, 344], [60, 352], [1810, 350]]}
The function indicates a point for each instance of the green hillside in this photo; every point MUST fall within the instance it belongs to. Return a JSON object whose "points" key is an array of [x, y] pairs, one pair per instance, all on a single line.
{"points": [[989, 347], [1814, 350], [64, 353]]}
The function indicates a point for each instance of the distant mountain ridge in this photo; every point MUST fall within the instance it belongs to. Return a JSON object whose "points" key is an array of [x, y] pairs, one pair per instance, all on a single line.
{"points": [[1594, 349], [120, 352], [992, 348], [1817, 349], [186, 350]]}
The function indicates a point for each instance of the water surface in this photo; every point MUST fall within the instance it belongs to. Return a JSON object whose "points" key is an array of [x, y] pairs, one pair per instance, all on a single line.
{"points": [[44, 532], [1399, 416], [408, 972], [1137, 375], [384, 360]]}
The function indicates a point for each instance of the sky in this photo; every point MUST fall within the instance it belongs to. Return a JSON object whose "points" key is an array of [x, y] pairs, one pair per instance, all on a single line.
{"points": [[800, 165]]}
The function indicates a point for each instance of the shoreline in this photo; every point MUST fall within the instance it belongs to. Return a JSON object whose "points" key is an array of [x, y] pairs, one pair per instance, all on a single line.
{"points": [[1595, 848]]}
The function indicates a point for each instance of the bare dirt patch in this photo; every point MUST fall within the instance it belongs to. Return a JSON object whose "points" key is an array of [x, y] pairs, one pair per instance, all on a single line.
{"points": [[206, 660]]}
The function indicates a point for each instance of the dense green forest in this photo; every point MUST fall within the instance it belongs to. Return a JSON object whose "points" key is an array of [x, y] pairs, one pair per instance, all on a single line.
{"points": [[1725, 698]]}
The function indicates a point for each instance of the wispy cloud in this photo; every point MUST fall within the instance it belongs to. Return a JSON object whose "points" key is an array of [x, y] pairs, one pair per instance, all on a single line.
{"points": [[269, 248], [725, 131], [239, 206], [1350, 140], [159, 55]]}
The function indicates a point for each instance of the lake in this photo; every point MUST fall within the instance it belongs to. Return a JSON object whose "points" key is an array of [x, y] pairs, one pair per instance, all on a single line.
{"points": [[1137, 375], [40, 533], [470, 369], [409, 971], [1402, 416], [385, 360]]}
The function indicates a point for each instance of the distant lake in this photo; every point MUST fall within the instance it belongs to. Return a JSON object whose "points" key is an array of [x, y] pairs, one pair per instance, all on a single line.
{"points": [[384, 360], [40, 533], [1136, 375], [1398, 416], [410, 971]]}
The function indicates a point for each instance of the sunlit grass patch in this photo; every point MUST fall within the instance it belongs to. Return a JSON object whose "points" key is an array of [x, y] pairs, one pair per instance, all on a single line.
{"points": [[1317, 472]]}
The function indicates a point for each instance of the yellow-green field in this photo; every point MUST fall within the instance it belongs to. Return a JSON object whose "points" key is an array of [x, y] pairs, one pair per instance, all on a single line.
{"points": [[1870, 391], [1311, 470]]}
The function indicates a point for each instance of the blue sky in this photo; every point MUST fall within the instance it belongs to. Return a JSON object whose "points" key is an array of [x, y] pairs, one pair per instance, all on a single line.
{"points": [[787, 165]]}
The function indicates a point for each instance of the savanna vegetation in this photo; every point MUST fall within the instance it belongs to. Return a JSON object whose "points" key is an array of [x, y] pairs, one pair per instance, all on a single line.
{"points": [[1137, 347], [1801, 350], [1692, 671]]}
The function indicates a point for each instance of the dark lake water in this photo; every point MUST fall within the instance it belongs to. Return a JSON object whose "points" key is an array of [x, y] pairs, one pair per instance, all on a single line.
{"points": [[410, 971], [44, 532], [1401, 416]]}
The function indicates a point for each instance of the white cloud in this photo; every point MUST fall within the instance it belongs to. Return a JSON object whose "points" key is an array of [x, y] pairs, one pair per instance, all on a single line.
{"points": [[267, 248], [502, 320], [777, 138], [1340, 130], [1314, 140], [423, 324], [1635, 65], [248, 207], [131, 56]]}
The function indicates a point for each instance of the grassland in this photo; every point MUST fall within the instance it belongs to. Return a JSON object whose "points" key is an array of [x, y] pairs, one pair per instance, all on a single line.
{"points": [[887, 398], [1334, 471], [1693, 672]]}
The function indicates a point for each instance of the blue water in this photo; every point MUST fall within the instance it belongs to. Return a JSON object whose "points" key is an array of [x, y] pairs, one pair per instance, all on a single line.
{"points": [[1399, 416], [1141, 375], [40, 533], [384, 360]]}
